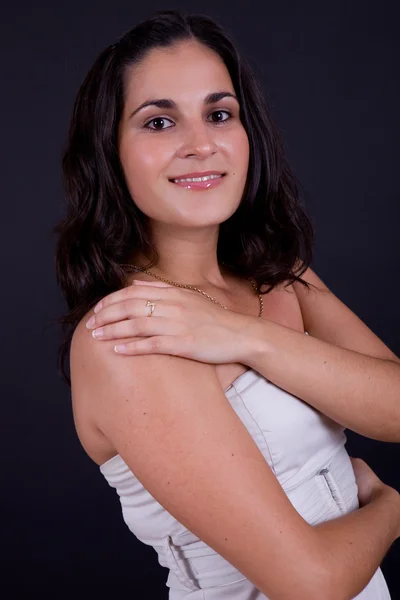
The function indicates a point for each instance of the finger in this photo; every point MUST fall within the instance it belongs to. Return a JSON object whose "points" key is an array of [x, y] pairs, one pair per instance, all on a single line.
{"points": [[133, 309], [140, 327], [154, 345], [130, 291], [119, 311]]}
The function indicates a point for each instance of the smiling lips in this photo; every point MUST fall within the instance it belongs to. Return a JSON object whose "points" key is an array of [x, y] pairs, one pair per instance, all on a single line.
{"points": [[199, 181]]}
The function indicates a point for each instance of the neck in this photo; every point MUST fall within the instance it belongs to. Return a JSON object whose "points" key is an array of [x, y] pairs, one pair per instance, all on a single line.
{"points": [[217, 276], [185, 255]]}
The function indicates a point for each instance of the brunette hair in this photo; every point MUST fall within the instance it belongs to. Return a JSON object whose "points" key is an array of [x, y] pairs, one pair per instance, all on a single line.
{"points": [[269, 237]]}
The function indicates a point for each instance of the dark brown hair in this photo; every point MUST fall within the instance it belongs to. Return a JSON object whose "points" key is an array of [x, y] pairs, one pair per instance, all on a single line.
{"points": [[269, 237]]}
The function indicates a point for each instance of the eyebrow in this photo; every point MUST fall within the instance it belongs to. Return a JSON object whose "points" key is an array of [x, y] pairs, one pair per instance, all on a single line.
{"points": [[168, 103]]}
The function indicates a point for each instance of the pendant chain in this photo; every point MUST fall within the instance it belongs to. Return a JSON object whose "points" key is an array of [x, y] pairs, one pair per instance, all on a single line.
{"points": [[196, 289]]}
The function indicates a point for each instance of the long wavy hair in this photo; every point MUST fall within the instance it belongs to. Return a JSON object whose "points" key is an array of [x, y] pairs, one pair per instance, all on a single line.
{"points": [[269, 237]]}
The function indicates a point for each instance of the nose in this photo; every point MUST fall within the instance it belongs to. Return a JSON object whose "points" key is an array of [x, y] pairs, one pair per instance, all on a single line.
{"points": [[198, 140]]}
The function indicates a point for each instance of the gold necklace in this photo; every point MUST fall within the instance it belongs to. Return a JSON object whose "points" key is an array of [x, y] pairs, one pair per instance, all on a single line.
{"points": [[196, 289]]}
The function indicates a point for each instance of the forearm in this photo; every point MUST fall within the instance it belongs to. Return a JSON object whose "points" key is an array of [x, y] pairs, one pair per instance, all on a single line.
{"points": [[354, 545], [360, 392]]}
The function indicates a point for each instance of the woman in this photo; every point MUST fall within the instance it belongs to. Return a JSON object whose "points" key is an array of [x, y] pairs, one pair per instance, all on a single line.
{"points": [[218, 420]]}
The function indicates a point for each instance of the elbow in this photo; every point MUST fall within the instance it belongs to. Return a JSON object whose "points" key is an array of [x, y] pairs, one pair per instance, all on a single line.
{"points": [[323, 588], [330, 586], [309, 572], [322, 583], [390, 432], [315, 581]]}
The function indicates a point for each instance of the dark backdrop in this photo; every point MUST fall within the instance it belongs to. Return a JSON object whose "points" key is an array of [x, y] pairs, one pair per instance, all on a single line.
{"points": [[330, 73]]}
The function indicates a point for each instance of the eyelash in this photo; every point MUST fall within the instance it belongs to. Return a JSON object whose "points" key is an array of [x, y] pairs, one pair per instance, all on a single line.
{"points": [[146, 125]]}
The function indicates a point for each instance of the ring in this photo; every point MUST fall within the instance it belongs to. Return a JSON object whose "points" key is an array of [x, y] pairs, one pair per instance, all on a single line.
{"points": [[152, 307]]}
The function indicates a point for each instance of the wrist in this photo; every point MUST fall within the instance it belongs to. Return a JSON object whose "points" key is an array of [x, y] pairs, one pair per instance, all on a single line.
{"points": [[391, 497], [255, 342]]}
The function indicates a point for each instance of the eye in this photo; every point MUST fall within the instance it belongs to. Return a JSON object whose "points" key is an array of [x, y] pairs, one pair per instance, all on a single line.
{"points": [[219, 112], [162, 119]]}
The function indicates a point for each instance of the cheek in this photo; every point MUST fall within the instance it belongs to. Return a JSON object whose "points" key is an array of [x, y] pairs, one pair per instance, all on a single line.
{"points": [[238, 148], [143, 161]]}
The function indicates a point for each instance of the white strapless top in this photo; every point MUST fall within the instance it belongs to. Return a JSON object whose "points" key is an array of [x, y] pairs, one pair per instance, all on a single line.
{"points": [[306, 452]]}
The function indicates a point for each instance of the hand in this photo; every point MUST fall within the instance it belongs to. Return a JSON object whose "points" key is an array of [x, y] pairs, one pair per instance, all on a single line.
{"points": [[370, 487], [368, 483], [184, 323]]}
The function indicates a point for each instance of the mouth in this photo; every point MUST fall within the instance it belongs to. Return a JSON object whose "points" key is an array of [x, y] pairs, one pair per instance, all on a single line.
{"points": [[205, 182]]}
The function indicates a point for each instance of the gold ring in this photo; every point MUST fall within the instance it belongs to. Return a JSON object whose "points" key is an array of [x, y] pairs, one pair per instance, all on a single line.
{"points": [[152, 307]]}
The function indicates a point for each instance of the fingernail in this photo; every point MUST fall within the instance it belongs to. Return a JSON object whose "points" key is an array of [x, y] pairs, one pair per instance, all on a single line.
{"points": [[98, 333], [120, 348], [90, 323], [98, 307]]}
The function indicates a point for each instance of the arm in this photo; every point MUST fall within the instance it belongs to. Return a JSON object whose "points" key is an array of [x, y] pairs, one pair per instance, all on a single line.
{"points": [[342, 368], [171, 423], [362, 535]]}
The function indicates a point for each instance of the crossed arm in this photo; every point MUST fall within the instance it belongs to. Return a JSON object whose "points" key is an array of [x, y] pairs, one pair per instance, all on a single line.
{"points": [[342, 368]]}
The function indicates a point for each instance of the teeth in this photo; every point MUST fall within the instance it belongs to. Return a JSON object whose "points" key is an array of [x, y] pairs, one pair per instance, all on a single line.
{"points": [[206, 178]]}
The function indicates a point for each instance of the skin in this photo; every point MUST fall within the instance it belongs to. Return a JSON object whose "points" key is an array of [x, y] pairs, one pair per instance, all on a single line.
{"points": [[193, 137]]}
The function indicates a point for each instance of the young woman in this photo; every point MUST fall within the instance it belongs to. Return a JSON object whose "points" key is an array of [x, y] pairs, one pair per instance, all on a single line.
{"points": [[212, 384]]}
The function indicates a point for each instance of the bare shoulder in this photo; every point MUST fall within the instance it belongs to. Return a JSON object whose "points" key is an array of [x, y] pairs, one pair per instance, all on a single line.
{"points": [[93, 361], [327, 318], [95, 366], [100, 376]]}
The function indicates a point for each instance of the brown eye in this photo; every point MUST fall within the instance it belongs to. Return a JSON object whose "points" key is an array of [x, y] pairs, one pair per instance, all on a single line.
{"points": [[155, 120], [220, 112]]}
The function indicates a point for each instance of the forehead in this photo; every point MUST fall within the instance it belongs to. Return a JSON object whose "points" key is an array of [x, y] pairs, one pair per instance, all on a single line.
{"points": [[179, 70]]}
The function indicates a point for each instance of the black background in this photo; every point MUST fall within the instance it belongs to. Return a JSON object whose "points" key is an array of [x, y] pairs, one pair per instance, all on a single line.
{"points": [[330, 72]]}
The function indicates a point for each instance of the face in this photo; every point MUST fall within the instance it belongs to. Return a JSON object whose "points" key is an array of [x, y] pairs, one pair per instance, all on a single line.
{"points": [[186, 135]]}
